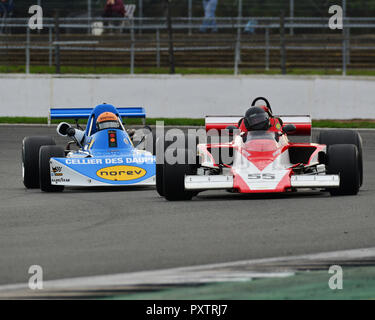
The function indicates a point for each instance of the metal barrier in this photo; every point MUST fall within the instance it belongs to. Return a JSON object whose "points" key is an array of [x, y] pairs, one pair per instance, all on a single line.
{"points": [[235, 35]]}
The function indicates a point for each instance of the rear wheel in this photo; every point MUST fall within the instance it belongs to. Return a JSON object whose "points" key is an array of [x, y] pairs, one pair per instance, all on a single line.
{"points": [[45, 154], [342, 159], [332, 137], [174, 178], [30, 159]]}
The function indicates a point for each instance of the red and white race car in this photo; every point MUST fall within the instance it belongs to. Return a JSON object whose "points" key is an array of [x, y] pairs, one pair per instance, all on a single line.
{"points": [[265, 161]]}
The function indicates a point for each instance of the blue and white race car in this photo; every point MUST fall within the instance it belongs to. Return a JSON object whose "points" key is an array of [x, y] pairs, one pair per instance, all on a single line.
{"points": [[106, 155]]}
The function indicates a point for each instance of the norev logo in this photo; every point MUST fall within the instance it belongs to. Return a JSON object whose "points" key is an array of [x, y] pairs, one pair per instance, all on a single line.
{"points": [[121, 173]]}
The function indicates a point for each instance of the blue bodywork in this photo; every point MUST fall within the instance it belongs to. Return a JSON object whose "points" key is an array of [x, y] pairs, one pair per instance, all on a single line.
{"points": [[114, 163]]}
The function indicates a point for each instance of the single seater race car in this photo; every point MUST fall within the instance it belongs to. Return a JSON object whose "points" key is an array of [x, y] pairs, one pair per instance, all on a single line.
{"points": [[265, 161], [105, 153]]}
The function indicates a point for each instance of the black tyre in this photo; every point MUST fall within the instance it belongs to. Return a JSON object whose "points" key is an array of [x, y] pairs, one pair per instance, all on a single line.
{"points": [[332, 137], [342, 159], [160, 148], [160, 179], [45, 154], [30, 159], [159, 167], [174, 179]]}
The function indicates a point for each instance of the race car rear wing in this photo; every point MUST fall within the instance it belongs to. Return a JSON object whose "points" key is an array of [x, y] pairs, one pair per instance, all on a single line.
{"points": [[84, 113], [302, 123]]}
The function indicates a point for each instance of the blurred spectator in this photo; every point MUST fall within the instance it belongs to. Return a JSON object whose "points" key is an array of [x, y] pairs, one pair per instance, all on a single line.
{"points": [[250, 26], [6, 7], [209, 21], [114, 9]]}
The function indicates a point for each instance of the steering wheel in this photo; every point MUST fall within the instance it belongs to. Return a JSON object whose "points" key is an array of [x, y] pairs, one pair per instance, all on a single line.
{"points": [[265, 100]]}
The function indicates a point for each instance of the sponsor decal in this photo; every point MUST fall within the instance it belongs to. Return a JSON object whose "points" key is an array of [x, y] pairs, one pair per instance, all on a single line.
{"points": [[278, 126], [83, 161], [114, 161], [94, 161], [149, 160], [121, 173], [56, 171], [60, 180]]}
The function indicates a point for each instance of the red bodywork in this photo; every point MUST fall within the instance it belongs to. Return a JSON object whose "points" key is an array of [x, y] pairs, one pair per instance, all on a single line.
{"points": [[262, 155]]}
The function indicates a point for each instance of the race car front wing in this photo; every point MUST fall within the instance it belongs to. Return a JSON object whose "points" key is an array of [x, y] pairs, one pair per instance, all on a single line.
{"points": [[227, 182]]}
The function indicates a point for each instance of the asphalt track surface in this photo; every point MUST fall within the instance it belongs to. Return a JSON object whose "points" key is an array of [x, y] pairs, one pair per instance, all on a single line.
{"points": [[85, 232]]}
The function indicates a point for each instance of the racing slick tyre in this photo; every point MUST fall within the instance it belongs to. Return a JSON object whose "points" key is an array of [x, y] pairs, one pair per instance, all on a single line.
{"points": [[159, 152], [30, 159], [160, 179], [159, 168], [174, 178], [331, 137], [342, 159], [45, 154]]}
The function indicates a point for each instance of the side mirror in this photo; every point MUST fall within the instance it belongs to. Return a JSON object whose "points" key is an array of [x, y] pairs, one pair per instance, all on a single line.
{"points": [[71, 132], [289, 128], [62, 129]]}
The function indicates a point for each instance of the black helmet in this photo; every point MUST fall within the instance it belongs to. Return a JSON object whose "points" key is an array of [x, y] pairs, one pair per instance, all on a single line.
{"points": [[257, 119]]}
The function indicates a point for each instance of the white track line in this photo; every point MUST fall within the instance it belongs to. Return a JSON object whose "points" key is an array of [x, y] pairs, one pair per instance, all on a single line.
{"points": [[194, 274]]}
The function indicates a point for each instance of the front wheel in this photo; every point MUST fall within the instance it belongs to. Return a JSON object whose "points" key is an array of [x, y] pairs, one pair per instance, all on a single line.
{"points": [[174, 179], [333, 137], [160, 179], [161, 147], [45, 155], [343, 160], [30, 159]]}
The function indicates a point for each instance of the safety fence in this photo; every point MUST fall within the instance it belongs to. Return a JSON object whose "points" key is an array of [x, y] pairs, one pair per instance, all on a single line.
{"points": [[236, 43]]}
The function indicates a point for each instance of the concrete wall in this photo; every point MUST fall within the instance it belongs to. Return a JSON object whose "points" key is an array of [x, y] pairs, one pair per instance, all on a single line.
{"points": [[190, 96]]}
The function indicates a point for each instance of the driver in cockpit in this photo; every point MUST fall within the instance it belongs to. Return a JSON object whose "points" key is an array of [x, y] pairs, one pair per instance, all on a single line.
{"points": [[107, 120], [260, 118]]}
